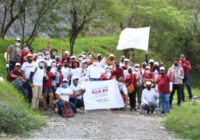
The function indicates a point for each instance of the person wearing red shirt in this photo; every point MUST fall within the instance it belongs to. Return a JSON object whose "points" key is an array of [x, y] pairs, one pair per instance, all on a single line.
{"points": [[164, 88], [148, 75], [186, 68], [47, 89], [108, 74], [15, 73], [25, 52], [118, 72], [131, 79]]}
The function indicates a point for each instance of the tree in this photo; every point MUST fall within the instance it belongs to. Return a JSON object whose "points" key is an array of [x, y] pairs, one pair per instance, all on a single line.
{"points": [[80, 13]]}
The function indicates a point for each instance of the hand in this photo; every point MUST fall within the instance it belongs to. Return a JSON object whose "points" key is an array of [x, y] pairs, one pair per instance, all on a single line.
{"points": [[62, 48], [131, 52], [7, 65], [148, 104], [55, 88], [185, 65], [155, 90], [170, 92], [64, 102], [107, 54], [93, 49], [32, 85], [147, 52]]}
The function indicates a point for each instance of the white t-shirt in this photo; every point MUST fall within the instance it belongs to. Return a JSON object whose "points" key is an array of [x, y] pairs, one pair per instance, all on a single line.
{"points": [[94, 72], [28, 68], [77, 89], [66, 72], [64, 93], [76, 72], [38, 77]]}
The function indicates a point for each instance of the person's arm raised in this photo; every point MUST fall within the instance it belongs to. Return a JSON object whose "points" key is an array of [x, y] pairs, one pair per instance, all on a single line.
{"points": [[48, 45]]}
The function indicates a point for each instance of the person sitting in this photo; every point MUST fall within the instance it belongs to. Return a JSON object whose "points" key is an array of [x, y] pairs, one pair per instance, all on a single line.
{"points": [[63, 94], [79, 90], [149, 96]]}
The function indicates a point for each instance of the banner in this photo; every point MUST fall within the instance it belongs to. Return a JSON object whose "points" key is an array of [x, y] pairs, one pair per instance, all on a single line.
{"points": [[134, 38], [102, 95]]}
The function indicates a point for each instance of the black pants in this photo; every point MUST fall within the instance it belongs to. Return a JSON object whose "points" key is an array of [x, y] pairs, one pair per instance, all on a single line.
{"points": [[12, 65], [177, 87], [139, 94], [27, 86], [132, 98]]}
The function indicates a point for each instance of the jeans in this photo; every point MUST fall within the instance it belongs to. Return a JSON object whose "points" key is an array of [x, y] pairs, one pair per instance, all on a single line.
{"points": [[177, 87], [92, 79], [186, 80], [78, 102], [153, 105], [19, 85], [164, 102], [139, 94], [27, 86], [132, 98], [61, 105]]}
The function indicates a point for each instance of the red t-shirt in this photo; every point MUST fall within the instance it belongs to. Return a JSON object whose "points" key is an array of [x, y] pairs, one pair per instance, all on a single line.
{"points": [[24, 53], [104, 74], [163, 84], [149, 76], [10, 79], [131, 79], [47, 83], [118, 73], [185, 69]]}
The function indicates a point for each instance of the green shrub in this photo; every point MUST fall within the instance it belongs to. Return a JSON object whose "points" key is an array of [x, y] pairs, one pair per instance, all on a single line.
{"points": [[185, 121]]}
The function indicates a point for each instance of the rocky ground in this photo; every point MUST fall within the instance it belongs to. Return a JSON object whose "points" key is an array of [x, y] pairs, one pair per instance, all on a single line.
{"points": [[106, 124]]}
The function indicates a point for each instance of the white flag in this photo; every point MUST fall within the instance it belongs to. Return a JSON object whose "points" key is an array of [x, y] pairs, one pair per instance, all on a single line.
{"points": [[134, 38]]}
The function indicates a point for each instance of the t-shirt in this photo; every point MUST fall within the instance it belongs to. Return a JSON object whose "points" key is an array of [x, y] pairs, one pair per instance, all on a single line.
{"points": [[10, 79], [24, 53], [131, 79], [77, 89], [149, 76], [38, 77], [14, 52], [163, 84], [185, 69], [66, 72], [28, 68], [64, 93], [118, 73], [47, 83]]}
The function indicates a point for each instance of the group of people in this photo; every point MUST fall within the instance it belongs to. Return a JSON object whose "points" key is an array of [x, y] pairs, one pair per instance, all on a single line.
{"points": [[59, 78]]}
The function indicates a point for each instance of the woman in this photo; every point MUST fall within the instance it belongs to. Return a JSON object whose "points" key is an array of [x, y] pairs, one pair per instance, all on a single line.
{"points": [[131, 80]]}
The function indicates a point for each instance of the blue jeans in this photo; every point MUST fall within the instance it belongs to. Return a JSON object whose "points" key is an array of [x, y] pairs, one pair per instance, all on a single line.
{"points": [[61, 104], [186, 80], [164, 102], [153, 105], [78, 102], [92, 79]]}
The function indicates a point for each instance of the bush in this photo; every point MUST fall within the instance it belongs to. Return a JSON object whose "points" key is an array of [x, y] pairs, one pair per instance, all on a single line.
{"points": [[185, 121]]}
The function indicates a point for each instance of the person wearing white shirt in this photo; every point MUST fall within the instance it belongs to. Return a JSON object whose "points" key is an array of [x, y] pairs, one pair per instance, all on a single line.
{"points": [[83, 76], [79, 90], [63, 94], [37, 79], [95, 70], [149, 96], [26, 70], [66, 71], [123, 90]]}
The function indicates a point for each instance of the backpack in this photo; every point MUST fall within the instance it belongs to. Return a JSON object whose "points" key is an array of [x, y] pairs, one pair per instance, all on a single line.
{"points": [[67, 111]]}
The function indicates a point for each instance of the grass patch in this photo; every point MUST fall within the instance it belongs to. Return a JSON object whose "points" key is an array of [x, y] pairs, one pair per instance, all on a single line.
{"points": [[185, 121]]}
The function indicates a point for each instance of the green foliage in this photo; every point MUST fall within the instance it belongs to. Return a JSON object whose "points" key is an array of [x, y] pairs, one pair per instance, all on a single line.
{"points": [[16, 116], [185, 121]]}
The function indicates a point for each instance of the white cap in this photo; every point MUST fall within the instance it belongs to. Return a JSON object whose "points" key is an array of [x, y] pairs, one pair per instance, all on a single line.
{"points": [[75, 77], [98, 54], [151, 60], [73, 57], [137, 65], [126, 60], [130, 68], [83, 56], [17, 64], [147, 67], [83, 52], [144, 63], [65, 79], [148, 82], [162, 68], [156, 63], [83, 61], [66, 52], [18, 39], [112, 55], [53, 60], [40, 60], [29, 55]]}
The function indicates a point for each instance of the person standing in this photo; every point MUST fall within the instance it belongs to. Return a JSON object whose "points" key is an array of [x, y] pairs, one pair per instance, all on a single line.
{"points": [[26, 70], [37, 79], [185, 64], [164, 88], [25, 52], [176, 74], [13, 54]]}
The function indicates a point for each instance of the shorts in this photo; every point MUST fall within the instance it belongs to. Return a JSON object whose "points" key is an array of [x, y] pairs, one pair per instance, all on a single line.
{"points": [[47, 90]]}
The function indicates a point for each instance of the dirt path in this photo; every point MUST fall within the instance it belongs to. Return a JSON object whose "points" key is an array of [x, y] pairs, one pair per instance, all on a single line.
{"points": [[106, 125]]}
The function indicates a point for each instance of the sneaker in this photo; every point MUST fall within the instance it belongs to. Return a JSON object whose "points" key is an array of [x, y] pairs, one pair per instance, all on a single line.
{"points": [[131, 109], [134, 109], [148, 110], [45, 110], [162, 112]]}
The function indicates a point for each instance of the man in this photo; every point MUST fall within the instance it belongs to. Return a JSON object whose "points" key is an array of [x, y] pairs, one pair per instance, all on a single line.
{"points": [[176, 74], [26, 70], [186, 68], [164, 88], [63, 94], [148, 75], [95, 70], [13, 54], [25, 52], [15, 73], [149, 96], [79, 90], [118, 71], [37, 79]]}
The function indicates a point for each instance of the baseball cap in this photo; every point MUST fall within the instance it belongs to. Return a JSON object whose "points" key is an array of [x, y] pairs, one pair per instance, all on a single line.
{"points": [[162, 68], [18, 39], [18, 64]]}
